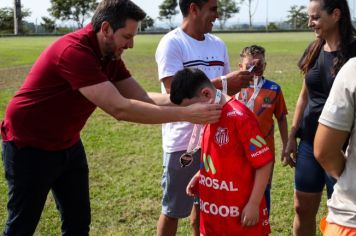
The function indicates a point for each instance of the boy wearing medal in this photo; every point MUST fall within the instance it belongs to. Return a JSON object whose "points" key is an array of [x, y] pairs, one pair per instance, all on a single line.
{"points": [[264, 98], [235, 162]]}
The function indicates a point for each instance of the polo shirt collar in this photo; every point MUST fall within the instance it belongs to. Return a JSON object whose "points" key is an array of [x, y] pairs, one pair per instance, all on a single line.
{"points": [[93, 40]]}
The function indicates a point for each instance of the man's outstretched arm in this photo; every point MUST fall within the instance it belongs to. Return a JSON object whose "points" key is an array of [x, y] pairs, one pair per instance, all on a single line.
{"points": [[106, 96]]}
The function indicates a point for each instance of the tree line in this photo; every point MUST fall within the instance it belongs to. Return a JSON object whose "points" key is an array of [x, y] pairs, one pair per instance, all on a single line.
{"points": [[297, 18], [78, 11]]}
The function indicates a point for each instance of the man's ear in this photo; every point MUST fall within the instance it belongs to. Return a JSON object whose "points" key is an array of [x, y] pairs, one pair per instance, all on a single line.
{"points": [[193, 9], [106, 29], [239, 65]]}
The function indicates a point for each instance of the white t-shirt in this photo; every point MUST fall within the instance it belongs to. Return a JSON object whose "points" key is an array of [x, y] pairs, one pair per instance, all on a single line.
{"points": [[176, 51], [339, 113]]}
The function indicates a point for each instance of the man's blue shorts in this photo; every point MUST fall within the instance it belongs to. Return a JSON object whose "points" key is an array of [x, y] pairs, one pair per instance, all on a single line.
{"points": [[175, 202], [310, 177]]}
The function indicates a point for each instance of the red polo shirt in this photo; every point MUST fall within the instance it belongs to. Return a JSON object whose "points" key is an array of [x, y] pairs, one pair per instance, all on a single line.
{"points": [[48, 111]]}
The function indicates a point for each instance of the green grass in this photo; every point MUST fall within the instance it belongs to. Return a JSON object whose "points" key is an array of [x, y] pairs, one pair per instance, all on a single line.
{"points": [[18, 51], [125, 158]]}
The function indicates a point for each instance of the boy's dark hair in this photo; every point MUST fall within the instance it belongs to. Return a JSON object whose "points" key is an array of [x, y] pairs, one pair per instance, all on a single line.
{"points": [[184, 5], [116, 12], [187, 83], [252, 50]]}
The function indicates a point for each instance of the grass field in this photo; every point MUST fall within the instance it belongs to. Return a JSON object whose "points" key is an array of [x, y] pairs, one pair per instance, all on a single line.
{"points": [[125, 158]]}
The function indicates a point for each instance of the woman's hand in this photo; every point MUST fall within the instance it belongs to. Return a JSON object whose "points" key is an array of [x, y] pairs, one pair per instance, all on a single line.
{"points": [[290, 152]]}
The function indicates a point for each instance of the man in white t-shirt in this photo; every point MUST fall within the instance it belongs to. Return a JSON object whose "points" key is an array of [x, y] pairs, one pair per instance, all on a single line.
{"points": [[336, 123], [189, 45]]}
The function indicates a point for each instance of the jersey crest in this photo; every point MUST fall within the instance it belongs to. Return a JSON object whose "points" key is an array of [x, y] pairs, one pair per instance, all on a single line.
{"points": [[221, 136]]}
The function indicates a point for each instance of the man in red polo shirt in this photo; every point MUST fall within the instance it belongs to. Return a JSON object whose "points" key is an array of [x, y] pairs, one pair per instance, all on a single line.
{"points": [[42, 150]]}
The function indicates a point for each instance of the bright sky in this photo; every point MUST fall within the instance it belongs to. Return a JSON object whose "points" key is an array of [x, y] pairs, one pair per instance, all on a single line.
{"points": [[277, 9]]}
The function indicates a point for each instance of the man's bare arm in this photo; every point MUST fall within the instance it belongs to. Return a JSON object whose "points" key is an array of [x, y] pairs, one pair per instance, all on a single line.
{"points": [[129, 88], [106, 96], [328, 152]]}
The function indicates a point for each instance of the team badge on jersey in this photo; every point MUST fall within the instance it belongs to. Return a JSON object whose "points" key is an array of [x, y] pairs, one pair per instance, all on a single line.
{"points": [[258, 146], [266, 102], [208, 164], [257, 142], [221, 136]]}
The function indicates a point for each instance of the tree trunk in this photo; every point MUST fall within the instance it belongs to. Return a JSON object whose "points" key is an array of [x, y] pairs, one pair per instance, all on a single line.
{"points": [[250, 13], [17, 17]]}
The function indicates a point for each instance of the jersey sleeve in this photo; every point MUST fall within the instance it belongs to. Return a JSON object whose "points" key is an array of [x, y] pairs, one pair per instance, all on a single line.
{"points": [[280, 108], [256, 149], [339, 109], [168, 58]]}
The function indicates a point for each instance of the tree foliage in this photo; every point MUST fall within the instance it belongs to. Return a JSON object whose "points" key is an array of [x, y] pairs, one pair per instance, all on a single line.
{"points": [[7, 18], [298, 17], [48, 24], [226, 9], [272, 26], [167, 10], [76, 10], [148, 22]]}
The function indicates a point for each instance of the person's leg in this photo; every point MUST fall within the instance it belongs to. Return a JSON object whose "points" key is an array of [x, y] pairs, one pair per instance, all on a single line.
{"points": [[309, 183], [29, 173], [71, 193], [195, 219], [306, 207], [176, 203], [195, 213], [268, 198], [167, 226]]}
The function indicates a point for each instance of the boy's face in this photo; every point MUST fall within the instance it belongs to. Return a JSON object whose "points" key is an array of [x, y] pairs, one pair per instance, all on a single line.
{"points": [[258, 60]]}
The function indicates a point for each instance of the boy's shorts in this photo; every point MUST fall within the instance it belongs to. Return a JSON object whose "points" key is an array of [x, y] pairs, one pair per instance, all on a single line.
{"points": [[175, 202], [332, 229]]}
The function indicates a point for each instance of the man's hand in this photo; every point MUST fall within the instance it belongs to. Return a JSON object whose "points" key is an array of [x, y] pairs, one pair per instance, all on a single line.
{"points": [[202, 113], [236, 80], [258, 67]]}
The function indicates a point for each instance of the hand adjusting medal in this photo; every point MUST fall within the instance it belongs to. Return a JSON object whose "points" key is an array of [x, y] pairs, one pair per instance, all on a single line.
{"points": [[195, 140]]}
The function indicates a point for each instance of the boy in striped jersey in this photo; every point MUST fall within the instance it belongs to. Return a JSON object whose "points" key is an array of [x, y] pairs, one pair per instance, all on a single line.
{"points": [[264, 98]]}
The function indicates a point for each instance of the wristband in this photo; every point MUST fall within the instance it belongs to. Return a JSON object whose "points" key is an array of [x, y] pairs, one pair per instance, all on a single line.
{"points": [[224, 83]]}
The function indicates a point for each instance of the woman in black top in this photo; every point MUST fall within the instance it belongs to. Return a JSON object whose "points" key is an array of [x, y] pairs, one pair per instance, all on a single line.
{"points": [[331, 22]]}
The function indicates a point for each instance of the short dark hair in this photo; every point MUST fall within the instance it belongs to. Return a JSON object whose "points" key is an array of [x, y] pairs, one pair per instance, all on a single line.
{"points": [[187, 83], [116, 12], [252, 50], [184, 5]]}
